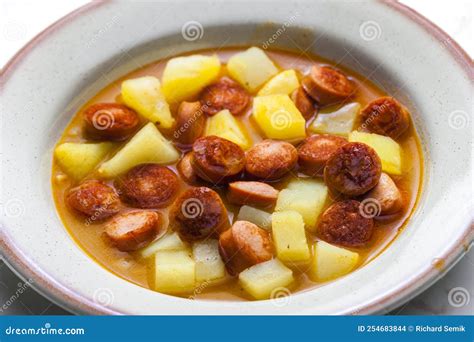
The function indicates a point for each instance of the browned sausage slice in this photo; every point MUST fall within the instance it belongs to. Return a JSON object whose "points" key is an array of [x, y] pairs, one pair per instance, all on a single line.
{"points": [[271, 159], [244, 245], [148, 186], [304, 103], [386, 197], [185, 168], [94, 199], [111, 121], [343, 224], [327, 85], [252, 193], [132, 230], [190, 122], [225, 94], [353, 169], [199, 213], [216, 159], [385, 116], [315, 151]]}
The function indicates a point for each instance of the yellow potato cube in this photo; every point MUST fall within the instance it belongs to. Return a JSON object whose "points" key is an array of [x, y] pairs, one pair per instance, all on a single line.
{"points": [[251, 68], [261, 280], [305, 196], [77, 159], [168, 242], [209, 265], [173, 272], [330, 262], [146, 146], [184, 77], [144, 95], [278, 117], [289, 236], [389, 150], [339, 122], [283, 83], [226, 126]]}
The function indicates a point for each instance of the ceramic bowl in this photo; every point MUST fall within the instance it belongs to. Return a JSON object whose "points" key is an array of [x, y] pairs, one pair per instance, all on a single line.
{"points": [[409, 57]]}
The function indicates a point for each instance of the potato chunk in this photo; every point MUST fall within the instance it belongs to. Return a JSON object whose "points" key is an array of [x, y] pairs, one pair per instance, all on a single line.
{"points": [[144, 95], [251, 68], [226, 126], [283, 83], [173, 272], [168, 242], [330, 262], [77, 160], [305, 196], [278, 117], [184, 77], [262, 279], [289, 236], [209, 265], [389, 150], [256, 216], [147, 146], [339, 122]]}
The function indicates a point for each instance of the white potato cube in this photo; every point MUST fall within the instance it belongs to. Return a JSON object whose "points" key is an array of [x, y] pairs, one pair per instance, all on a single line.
{"points": [[259, 217], [339, 122], [209, 265]]}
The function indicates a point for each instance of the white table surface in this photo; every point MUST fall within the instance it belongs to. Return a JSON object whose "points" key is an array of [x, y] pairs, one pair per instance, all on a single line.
{"points": [[22, 20]]}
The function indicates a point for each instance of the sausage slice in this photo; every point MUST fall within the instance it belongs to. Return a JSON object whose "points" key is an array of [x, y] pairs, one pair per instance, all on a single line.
{"points": [[252, 193], [132, 230], [199, 213], [271, 159], [327, 85], [94, 199], [225, 94], [304, 103], [353, 169], [315, 151], [185, 168], [216, 159], [343, 224], [385, 116], [148, 186], [110, 121], [244, 245], [190, 122], [385, 196]]}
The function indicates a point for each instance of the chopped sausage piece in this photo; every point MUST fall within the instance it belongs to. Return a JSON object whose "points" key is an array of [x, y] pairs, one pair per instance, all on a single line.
{"points": [[225, 94], [94, 199], [199, 213], [185, 168], [385, 116], [304, 103], [315, 151], [353, 169], [111, 121], [271, 159], [327, 85], [386, 196], [252, 193], [244, 245], [148, 186], [216, 159], [132, 230], [190, 122], [343, 223]]}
